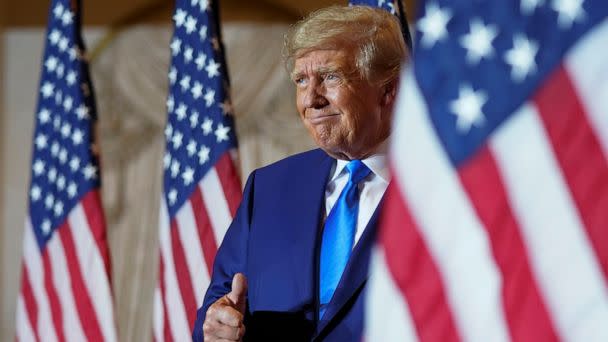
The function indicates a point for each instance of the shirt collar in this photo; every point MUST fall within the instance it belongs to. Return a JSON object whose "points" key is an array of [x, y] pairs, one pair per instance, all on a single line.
{"points": [[377, 163]]}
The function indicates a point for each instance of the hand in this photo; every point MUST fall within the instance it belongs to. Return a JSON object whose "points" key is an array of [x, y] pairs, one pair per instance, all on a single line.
{"points": [[224, 319]]}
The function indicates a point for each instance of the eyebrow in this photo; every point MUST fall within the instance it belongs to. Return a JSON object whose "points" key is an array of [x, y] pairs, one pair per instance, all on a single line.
{"points": [[320, 71]]}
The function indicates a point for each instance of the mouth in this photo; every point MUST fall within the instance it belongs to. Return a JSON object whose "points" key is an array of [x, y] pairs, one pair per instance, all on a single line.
{"points": [[317, 119]]}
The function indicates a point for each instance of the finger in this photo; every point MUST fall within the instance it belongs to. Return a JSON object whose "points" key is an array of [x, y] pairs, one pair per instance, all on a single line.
{"points": [[239, 291], [214, 329], [224, 313]]}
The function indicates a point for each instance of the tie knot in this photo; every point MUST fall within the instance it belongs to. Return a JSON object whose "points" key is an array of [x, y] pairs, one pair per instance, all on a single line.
{"points": [[357, 171]]}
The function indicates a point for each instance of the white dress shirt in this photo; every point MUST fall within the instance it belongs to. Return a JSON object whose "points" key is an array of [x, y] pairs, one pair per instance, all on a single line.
{"points": [[371, 188]]}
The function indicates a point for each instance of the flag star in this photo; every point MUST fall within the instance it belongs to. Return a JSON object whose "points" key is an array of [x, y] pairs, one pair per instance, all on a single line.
{"points": [[568, 12], [52, 175], [58, 11], [51, 63], [203, 154], [67, 17], [209, 97], [82, 112], [63, 156], [200, 61], [181, 111], [176, 46], [59, 98], [391, 8], [55, 149], [221, 133], [193, 119], [521, 57], [203, 5], [467, 108], [61, 183], [49, 200], [60, 70], [54, 37], [190, 24], [528, 7], [73, 53], [63, 44], [71, 77], [213, 69], [68, 103], [38, 167], [188, 176], [207, 126], [167, 160], [35, 193], [58, 208], [41, 141], [185, 83], [188, 55], [170, 104], [44, 115], [203, 32], [197, 90], [191, 148], [177, 140], [173, 75], [179, 17], [90, 172], [168, 131], [72, 190], [174, 168], [47, 89], [77, 137], [46, 227], [478, 42], [433, 24], [75, 164], [172, 196], [65, 130]]}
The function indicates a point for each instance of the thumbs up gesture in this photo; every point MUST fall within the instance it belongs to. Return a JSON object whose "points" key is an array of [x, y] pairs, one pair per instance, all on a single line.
{"points": [[224, 319]]}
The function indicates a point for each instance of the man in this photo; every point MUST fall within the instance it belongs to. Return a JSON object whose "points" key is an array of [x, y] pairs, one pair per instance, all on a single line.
{"points": [[293, 264]]}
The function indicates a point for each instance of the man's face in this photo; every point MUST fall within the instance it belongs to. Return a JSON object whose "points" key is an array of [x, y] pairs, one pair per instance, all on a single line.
{"points": [[347, 116]]}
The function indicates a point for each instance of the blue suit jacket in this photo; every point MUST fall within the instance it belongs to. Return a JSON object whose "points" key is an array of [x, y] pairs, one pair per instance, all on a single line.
{"points": [[274, 240]]}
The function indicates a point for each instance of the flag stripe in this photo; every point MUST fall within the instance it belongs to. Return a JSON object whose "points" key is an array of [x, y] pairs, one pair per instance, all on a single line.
{"points": [[456, 239], [188, 235], [205, 230], [182, 272], [586, 174], [524, 308], [55, 304], [63, 285], [159, 318], [414, 271], [560, 254], [24, 332], [86, 228], [30, 316], [36, 274], [229, 178], [84, 304], [215, 203]]}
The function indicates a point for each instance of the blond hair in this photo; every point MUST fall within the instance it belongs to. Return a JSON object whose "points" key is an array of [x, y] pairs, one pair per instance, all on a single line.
{"points": [[374, 33]]}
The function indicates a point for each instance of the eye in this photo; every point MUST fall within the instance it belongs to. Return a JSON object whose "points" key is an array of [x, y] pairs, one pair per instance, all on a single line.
{"points": [[332, 77], [299, 81]]}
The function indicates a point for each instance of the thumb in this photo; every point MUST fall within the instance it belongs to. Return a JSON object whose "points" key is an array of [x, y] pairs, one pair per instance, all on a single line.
{"points": [[238, 295]]}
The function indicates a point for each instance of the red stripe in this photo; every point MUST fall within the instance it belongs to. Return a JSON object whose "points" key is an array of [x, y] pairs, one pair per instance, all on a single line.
{"points": [[579, 155], [91, 204], [524, 308], [414, 271], [161, 280], [54, 303], [31, 306], [84, 305], [183, 274], [205, 230], [230, 180]]}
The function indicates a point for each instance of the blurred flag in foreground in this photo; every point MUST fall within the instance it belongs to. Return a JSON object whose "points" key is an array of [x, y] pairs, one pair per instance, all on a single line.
{"points": [[397, 8], [201, 185], [496, 223], [65, 285]]}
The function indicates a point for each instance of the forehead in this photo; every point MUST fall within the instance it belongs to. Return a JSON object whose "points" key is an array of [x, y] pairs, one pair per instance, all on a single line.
{"points": [[324, 59]]}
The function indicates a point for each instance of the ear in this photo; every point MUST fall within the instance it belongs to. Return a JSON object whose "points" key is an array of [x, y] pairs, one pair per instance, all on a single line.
{"points": [[389, 92]]}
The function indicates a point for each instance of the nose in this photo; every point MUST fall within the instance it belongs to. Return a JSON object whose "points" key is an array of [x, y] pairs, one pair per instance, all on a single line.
{"points": [[314, 96]]}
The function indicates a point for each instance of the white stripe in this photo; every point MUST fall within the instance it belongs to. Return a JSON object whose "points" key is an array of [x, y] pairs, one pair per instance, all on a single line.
{"points": [[456, 238], [178, 320], [387, 316], [560, 254], [216, 204], [588, 70], [35, 272], [93, 272], [62, 281], [159, 315], [25, 333], [190, 239]]}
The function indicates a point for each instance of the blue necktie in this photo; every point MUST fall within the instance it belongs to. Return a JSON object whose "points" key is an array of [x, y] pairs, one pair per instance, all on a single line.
{"points": [[339, 234]]}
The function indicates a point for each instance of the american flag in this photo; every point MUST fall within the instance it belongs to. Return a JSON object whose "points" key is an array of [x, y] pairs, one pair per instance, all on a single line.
{"points": [[396, 8], [496, 223], [65, 286], [201, 185]]}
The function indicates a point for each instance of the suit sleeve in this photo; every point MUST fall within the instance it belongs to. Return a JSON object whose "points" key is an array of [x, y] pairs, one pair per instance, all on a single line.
{"points": [[231, 257]]}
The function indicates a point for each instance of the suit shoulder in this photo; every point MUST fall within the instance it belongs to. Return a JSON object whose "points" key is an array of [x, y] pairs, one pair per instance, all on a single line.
{"points": [[308, 158]]}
